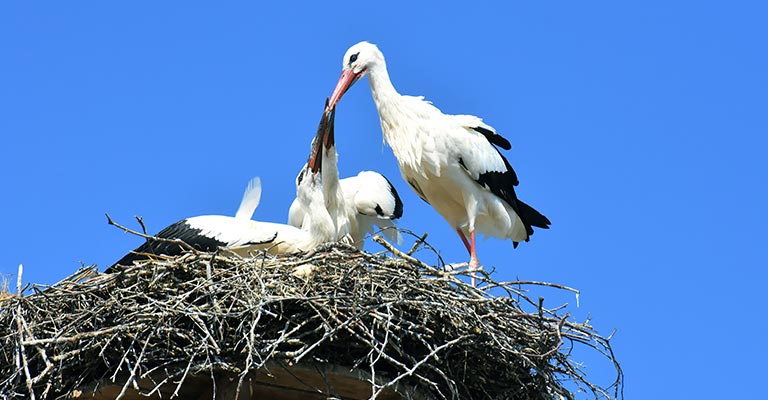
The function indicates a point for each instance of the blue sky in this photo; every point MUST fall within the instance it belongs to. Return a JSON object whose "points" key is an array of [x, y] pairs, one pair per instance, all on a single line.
{"points": [[638, 129]]}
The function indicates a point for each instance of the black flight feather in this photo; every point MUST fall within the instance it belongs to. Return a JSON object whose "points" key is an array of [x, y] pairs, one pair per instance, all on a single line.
{"points": [[179, 230], [494, 137], [502, 184], [398, 202]]}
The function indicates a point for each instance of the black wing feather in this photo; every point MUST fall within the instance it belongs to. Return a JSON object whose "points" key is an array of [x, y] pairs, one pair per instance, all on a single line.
{"points": [[502, 184], [398, 202], [179, 230], [494, 137]]}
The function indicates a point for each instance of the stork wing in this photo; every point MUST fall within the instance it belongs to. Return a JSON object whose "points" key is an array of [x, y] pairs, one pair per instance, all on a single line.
{"points": [[477, 124], [484, 163], [179, 231], [491, 170], [251, 199]]}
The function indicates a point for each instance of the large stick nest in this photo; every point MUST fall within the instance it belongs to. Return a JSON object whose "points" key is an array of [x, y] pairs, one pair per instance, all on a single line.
{"points": [[407, 323]]}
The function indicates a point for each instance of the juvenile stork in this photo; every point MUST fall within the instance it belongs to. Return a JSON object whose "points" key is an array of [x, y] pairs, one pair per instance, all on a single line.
{"points": [[242, 235], [370, 200], [356, 203], [450, 161]]}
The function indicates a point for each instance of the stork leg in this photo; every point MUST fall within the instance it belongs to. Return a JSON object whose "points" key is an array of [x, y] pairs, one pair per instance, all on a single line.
{"points": [[474, 263], [464, 239]]}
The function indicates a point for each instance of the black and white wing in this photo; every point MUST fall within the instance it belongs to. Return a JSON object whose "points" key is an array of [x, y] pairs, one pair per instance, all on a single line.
{"points": [[204, 233], [374, 195], [485, 164], [375, 201]]}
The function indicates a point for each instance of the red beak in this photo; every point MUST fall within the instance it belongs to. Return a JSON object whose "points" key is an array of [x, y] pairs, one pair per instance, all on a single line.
{"points": [[347, 79]]}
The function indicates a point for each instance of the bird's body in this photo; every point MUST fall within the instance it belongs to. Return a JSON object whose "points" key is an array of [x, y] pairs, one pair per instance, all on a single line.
{"points": [[440, 157], [242, 235], [369, 200], [335, 203], [450, 161], [210, 232]]}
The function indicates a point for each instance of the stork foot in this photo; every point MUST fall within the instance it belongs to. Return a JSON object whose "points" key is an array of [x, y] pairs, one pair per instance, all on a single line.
{"points": [[474, 266], [462, 265], [455, 266], [468, 266]]}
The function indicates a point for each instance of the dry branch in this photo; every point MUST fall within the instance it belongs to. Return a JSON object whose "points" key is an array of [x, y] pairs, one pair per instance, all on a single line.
{"points": [[400, 320]]}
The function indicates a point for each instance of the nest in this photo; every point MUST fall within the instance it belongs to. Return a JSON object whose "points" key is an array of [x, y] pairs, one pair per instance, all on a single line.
{"points": [[412, 328]]}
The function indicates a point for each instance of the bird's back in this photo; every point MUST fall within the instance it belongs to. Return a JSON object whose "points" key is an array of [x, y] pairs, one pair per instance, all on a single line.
{"points": [[204, 233]]}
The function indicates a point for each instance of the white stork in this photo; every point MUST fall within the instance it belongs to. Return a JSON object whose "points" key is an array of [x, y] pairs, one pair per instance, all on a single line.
{"points": [[242, 235], [356, 203], [450, 161], [335, 203], [370, 200]]}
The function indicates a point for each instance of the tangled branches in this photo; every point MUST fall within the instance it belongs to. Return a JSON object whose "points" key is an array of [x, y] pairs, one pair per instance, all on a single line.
{"points": [[411, 329]]}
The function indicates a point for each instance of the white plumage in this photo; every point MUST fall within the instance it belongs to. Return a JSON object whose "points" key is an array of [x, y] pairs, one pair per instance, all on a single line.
{"points": [[251, 199], [450, 161], [335, 203], [370, 200]]}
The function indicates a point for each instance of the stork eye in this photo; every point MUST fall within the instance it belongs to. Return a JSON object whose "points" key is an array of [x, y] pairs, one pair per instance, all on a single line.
{"points": [[353, 58]]}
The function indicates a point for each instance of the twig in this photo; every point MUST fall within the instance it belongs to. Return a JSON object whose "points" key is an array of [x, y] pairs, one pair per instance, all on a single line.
{"points": [[149, 237], [420, 363], [141, 222], [380, 240], [417, 243], [22, 350]]}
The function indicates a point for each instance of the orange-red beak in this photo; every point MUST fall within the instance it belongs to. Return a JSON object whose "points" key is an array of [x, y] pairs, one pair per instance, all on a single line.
{"points": [[347, 79]]}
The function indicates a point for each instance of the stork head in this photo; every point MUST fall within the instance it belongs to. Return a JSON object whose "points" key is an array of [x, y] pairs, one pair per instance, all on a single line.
{"points": [[358, 60]]}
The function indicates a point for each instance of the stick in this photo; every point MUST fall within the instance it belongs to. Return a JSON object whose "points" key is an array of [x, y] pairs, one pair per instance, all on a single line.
{"points": [[418, 243], [149, 237], [380, 240], [19, 326]]}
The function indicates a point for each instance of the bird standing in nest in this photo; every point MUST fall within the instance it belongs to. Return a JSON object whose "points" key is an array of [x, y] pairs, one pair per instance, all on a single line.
{"points": [[451, 161]]}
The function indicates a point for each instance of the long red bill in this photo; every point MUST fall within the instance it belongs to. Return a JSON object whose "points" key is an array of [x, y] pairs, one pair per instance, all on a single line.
{"points": [[347, 79]]}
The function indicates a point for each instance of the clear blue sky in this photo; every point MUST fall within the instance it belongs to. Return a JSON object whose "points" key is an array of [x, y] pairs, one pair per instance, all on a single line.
{"points": [[638, 129]]}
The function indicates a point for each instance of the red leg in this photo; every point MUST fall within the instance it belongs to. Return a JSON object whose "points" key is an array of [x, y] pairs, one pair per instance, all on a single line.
{"points": [[472, 251], [474, 263], [464, 239]]}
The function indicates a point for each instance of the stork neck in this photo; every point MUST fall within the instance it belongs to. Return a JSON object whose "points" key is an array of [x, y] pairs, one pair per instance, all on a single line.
{"points": [[334, 196], [384, 94], [317, 220]]}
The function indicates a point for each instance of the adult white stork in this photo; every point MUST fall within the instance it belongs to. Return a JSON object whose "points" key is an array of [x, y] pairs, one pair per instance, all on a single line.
{"points": [[356, 203], [450, 161], [242, 235]]}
